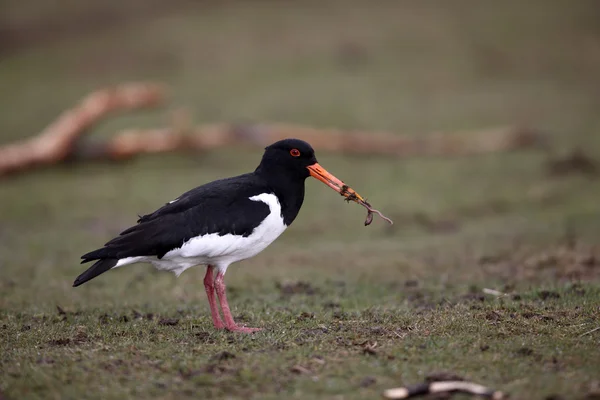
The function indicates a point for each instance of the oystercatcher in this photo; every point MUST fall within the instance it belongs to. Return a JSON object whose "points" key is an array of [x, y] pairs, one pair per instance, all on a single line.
{"points": [[220, 223]]}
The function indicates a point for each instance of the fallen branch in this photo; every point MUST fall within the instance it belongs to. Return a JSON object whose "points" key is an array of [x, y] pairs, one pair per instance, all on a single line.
{"points": [[443, 387], [131, 143], [134, 142], [61, 140], [382, 143], [56, 142]]}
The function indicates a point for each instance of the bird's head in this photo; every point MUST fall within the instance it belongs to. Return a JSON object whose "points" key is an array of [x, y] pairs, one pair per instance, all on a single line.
{"points": [[297, 158]]}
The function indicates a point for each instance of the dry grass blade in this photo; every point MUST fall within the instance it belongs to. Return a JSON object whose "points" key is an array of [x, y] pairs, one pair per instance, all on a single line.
{"points": [[590, 331]]}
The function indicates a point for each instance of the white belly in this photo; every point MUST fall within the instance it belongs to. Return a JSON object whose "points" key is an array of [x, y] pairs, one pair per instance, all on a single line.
{"points": [[220, 251]]}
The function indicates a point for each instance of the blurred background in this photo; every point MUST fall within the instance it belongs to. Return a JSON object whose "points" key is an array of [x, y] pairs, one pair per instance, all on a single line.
{"points": [[522, 222], [405, 67]]}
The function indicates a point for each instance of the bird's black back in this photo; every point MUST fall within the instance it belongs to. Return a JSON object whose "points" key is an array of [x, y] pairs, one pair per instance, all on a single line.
{"points": [[221, 207]]}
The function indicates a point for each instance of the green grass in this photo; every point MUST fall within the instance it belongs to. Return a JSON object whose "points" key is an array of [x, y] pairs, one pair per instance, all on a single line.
{"points": [[412, 291]]}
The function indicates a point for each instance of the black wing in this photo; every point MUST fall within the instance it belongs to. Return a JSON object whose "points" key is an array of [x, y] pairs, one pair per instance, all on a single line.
{"points": [[220, 207]]}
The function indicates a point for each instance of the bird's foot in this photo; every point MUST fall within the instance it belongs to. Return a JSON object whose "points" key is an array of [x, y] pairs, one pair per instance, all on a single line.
{"points": [[219, 325], [242, 329]]}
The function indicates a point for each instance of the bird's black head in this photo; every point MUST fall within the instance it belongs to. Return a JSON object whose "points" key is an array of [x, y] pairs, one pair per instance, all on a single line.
{"points": [[291, 157], [293, 160]]}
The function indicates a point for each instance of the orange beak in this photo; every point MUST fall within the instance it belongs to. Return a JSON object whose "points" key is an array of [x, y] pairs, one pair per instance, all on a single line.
{"points": [[320, 173]]}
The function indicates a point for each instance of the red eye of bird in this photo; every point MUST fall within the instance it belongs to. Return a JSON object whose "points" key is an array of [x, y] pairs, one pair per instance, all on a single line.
{"points": [[295, 152]]}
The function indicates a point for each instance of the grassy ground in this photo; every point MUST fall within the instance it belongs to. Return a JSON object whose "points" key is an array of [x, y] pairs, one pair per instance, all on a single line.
{"points": [[348, 310]]}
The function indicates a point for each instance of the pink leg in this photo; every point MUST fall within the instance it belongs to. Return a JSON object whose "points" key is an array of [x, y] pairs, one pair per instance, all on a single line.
{"points": [[229, 322], [209, 285]]}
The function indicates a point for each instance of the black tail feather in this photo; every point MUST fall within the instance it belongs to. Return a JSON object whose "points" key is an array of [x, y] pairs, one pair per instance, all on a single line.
{"points": [[98, 268]]}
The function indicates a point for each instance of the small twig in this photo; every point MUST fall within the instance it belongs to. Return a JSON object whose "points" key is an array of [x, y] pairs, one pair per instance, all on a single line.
{"points": [[399, 335], [494, 292], [443, 387], [588, 332]]}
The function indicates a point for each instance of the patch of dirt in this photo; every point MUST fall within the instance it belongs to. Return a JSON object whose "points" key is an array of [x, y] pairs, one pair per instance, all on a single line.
{"points": [[222, 363], [525, 351], [367, 381], [306, 335], [305, 316], [577, 162], [104, 319], [421, 300], [60, 342], [494, 316], [411, 283], [223, 355], [340, 315], [168, 321], [565, 261], [204, 337], [469, 297], [66, 313], [80, 336], [548, 294], [331, 305], [297, 287]]}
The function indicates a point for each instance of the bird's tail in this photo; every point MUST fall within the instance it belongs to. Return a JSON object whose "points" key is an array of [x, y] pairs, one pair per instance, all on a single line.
{"points": [[100, 267]]}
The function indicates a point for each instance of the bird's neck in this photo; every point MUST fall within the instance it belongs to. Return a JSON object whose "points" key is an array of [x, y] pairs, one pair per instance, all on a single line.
{"points": [[289, 191]]}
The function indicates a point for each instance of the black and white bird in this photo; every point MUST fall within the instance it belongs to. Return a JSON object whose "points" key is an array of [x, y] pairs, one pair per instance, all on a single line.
{"points": [[220, 223]]}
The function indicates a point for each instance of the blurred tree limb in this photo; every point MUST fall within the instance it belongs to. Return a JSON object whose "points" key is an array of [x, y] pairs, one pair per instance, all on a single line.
{"points": [[57, 142], [61, 140]]}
